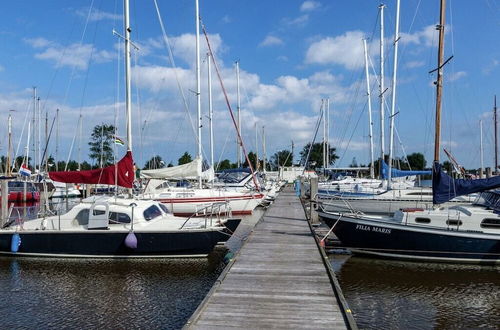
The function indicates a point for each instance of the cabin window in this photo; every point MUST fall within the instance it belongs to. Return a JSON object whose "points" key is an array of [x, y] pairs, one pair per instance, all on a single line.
{"points": [[422, 220], [116, 217], [453, 222], [490, 223], [420, 194], [98, 212], [83, 217], [164, 208], [151, 212]]}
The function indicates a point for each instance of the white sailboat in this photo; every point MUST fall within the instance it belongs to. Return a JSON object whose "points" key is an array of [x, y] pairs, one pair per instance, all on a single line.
{"points": [[103, 226], [468, 233]]}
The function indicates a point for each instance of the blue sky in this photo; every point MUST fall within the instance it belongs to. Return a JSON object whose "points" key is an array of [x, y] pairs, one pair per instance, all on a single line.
{"points": [[291, 53]]}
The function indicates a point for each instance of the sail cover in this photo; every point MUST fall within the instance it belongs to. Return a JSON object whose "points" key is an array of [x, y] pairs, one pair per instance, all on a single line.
{"points": [[188, 171], [445, 188], [124, 172], [395, 173]]}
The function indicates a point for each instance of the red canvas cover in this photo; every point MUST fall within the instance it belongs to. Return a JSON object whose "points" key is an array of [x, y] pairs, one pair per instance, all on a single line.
{"points": [[104, 175]]}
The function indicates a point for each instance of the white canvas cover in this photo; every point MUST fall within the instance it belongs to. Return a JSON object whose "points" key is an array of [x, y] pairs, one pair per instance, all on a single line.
{"points": [[189, 171]]}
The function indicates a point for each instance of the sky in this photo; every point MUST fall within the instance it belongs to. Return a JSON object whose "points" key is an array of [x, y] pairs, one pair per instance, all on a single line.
{"points": [[291, 55]]}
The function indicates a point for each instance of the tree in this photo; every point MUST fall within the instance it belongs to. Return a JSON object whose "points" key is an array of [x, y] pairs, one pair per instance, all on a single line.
{"points": [[448, 167], [155, 162], [101, 140], [282, 158], [185, 158], [417, 161], [316, 156], [223, 165], [252, 157]]}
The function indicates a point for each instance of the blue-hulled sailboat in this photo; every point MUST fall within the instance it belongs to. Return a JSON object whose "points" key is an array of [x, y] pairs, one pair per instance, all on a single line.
{"points": [[468, 233]]}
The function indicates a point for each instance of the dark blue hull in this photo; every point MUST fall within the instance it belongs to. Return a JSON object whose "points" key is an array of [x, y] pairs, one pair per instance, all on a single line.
{"points": [[105, 243], [382, 239]]}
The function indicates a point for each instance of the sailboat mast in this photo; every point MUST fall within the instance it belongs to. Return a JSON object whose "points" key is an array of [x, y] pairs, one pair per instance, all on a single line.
{"points": [[381, 88], [238, 114], [198, 88], [495, 120], [256, 149], [264, 156], [210, 110], [393, 101], [9, 147], [324, 134], [33, 127], [327, 133], [439, 82], [128, 89], [481, 148], [370, 121]]}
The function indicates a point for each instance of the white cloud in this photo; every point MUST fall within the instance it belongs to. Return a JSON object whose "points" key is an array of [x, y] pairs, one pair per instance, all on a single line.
{"points": [[456, 75], [298, 21], [426, 37], [74, 55], [414, 64], [345, 50], [97, 15], [310, 5], [184, 46], [38, 42], [271, 41]]}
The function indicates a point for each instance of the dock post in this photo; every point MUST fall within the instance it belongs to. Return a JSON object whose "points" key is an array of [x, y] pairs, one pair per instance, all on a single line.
{"points": [[5, 201], [488, 172], [314, 191]]}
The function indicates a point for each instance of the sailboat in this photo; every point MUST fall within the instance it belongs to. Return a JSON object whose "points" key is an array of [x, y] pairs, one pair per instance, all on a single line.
{"points": [[104, 226], [468, 233], [184, 201]]}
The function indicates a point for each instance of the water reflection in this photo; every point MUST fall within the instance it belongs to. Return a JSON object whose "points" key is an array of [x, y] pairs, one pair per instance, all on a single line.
{"points": [[404, 295], [96, 293], [42, 293]]}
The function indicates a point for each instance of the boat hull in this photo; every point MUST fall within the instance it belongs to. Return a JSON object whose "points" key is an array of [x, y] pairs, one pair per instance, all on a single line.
{"points": [[399, 241], [109, 244], [239, 205]]}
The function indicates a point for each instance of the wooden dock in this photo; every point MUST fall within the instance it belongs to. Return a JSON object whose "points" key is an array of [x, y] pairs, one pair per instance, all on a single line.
{"points": [[280, 278]]}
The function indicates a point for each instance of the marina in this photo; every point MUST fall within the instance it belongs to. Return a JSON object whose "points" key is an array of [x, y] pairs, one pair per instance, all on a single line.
{"points": [[240, 165], [277, 280]]}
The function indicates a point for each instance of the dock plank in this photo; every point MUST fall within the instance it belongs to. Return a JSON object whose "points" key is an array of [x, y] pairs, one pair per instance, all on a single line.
{"points": [[277, 280]]}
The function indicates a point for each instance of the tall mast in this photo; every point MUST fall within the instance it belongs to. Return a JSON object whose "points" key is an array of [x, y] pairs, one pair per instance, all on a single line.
{"points": [[393, 102], [198, 88], [9, 147], [327, 132], [264, 156], [495, 118], [256, 149], [381, 88], [238, 113], [323, 105], [370, 121], [40, 161], [439, 82], [57, 139], [128, 89], [481, 148], [46, 142], [210, 111], [33, 127]]}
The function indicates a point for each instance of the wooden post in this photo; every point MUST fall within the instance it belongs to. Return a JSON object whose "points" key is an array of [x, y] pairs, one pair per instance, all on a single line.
{"points": [[314, 191], [5, 201]]}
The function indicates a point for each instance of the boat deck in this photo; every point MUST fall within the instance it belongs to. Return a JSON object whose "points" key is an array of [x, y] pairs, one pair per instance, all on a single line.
{"points": [[279, 279]]}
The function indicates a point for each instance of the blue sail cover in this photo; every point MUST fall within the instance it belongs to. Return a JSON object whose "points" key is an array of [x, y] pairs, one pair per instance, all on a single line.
{"points": [[445, 188], [395, 173]]}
